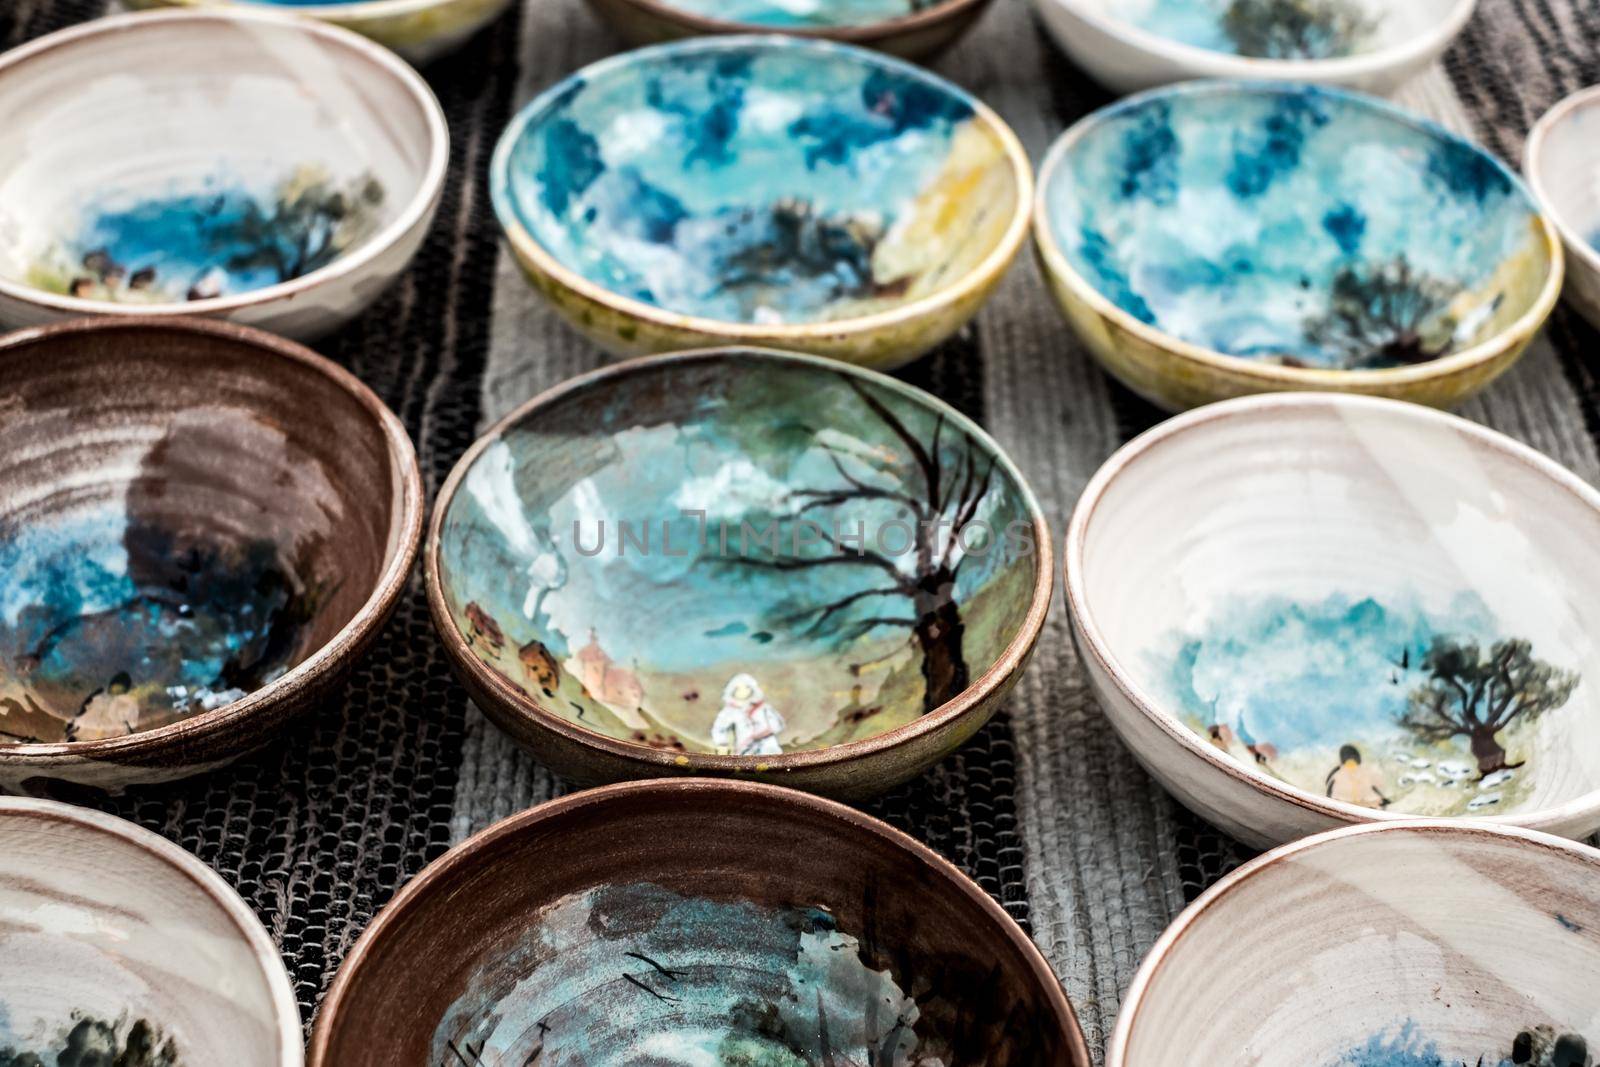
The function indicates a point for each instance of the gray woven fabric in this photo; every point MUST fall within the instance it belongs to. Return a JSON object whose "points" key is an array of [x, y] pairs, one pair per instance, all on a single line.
{"points": [[1045, 808]]}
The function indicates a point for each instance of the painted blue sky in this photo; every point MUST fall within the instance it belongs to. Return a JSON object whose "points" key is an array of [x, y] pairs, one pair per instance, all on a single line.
{"points": [[1318, 673]]}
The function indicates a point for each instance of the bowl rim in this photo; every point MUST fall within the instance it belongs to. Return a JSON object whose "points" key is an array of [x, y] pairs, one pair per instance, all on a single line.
{"points": [[1060, 269], [405, 535], [1577, 246], [865, 33], [1208, 62], [1160, 953], [808, 806], [1011, 660], [377, 59], [993, 264], [1093, 644], [285, 1008]]}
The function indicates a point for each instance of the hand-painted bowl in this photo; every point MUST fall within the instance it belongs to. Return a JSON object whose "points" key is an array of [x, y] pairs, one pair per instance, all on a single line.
{"points": [[667, 923], [762, 190], [251, 166], [1217, 239], [122, 950], [1375, 45], [1307, 610], [1562, 162], [202, 527], [915, 29], [738, 561], [1407, 945], [420, 30]]}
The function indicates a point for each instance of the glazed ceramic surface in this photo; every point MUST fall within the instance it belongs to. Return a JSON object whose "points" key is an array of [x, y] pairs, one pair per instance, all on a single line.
{"points": [[1368, 610], [199, 528], [1408, 945], [159, 964], [595, 937], [420, 30], [1360, 44], [1562, 162], [1214, 239], [821, 197], [738, 555], [795, 14], [264, 169]]}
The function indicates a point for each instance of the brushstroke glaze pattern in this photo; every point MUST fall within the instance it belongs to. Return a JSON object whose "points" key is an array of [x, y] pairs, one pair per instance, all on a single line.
{"points": [[1382, 704], [121, 950], [1539, 1046], [1296, 226], [759, 181], [794, 14], [1562, 162], [1405, 944], [739, 554], [1262, 29], [637, 972], [216, 240]]}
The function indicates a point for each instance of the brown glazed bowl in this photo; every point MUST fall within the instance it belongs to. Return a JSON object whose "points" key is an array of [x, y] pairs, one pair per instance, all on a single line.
{"points": [[632, 573], [202, 527], [919, 34], [693, 922]]}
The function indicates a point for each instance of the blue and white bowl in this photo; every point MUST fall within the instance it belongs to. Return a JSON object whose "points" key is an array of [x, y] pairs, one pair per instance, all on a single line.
{"points": [[1222, 238], [762, 190], [1373, 45]]}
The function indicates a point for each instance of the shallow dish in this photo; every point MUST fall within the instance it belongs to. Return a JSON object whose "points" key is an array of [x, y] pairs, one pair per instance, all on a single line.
{"points": [[420, 30], [1562, 162], [1373, 45], [762, 190], [1217, 239], [655, 569], [121, 948], [916, 29], [1407, 945], [594, 935], [1366, 610], [201, 528], [244, 165]]}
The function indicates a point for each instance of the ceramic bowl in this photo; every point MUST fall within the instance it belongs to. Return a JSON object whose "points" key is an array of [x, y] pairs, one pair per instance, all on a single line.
{"points": [[250, 166], [915, 29], [1562, 162], [1307, 610], [1408, 945], [738, 562], [1375, 45], [1223, 238], [420, 30], [122, 950], [201, 528], [762, 190], [584, 931]]}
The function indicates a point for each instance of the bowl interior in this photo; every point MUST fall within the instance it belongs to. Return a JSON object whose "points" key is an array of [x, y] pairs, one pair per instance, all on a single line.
{"points": [[1296, 226], [1363, 626], [759, 181], [739, 553], [184, 517], [1568, 169], [1282, 29], [804, 14], [1401, 948], [595, 937], [184, 159], [146, 967]]}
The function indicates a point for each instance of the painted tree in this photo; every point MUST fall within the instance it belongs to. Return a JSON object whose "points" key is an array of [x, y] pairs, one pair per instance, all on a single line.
{"points": [[1385, 315], [1296, 29], [937, 486], [1475, 696]]}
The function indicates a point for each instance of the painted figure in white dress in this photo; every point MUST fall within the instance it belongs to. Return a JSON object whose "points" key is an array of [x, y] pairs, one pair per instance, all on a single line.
{"points": [[747, 725]]}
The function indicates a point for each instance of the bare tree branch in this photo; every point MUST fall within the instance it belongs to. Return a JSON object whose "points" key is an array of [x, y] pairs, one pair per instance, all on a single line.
{"points": [[827, 611], [930, 470]]}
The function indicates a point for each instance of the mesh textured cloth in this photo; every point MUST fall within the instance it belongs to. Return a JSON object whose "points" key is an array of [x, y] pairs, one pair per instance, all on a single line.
{"points": [[1044, 807]]}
